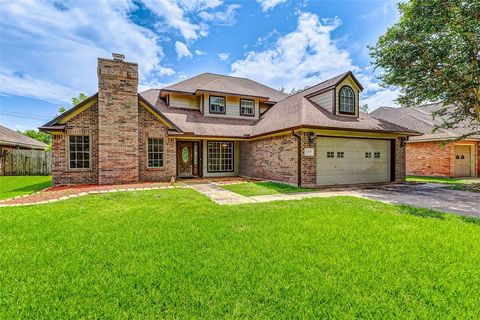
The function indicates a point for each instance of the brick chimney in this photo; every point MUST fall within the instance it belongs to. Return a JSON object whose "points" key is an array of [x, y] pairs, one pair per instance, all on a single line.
{"points": [[117, 121]]}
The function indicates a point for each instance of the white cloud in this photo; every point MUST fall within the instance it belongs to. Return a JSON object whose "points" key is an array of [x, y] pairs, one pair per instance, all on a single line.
{"points": [[221, 18], [224, 56], [200, 52], [177, 14], [182, 50], [381, 98], [174, 16], [270, 4], [25, 85], [302, 57], [51, 51], [305, 57]]}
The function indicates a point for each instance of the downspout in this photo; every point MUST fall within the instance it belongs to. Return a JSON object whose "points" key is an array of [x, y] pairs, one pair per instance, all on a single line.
{"points": [[299, 158]]}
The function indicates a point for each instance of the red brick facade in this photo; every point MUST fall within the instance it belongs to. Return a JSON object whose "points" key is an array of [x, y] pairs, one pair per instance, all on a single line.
{"points": [[152, 128], [117, 122], [432, 158], [85, 123], [273, 158]]}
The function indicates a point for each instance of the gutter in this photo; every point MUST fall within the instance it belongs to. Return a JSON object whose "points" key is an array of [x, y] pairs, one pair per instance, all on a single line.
{"points": [[299, 158]]}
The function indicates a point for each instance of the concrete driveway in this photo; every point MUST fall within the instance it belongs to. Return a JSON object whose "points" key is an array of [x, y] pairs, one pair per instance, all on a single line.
{"points": [[432, 196]]}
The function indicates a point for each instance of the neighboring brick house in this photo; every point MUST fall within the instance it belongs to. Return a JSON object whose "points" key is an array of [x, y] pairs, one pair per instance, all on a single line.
{"points": [[213, 125], [439, 153]]}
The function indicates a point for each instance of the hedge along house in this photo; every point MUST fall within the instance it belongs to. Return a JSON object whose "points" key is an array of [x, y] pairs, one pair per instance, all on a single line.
{"points": [[439, 153], [213, 125]]}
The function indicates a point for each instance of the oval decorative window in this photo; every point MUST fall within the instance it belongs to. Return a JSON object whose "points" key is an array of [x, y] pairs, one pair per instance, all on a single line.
{"points": [[462, 157], [457, 157], [185, 154]]}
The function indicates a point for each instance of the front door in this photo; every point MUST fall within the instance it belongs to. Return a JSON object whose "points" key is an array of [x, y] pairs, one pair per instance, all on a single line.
{"points": [[184, 159], [462, 165]]}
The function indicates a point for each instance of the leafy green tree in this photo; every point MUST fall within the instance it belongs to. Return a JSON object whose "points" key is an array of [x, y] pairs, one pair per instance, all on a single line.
{"points": [[433, 55], [62, 109], [37, 135], [75, 100], [81, 97], [364, 108]]}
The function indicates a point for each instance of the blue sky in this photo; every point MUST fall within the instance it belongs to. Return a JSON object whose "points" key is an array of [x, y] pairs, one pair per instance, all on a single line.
{"points": [[48, 49]]}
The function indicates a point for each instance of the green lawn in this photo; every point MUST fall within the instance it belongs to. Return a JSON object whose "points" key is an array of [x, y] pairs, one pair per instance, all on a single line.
{"points": [[260, 188], [175, 254], [452, 183], [12, 186]]}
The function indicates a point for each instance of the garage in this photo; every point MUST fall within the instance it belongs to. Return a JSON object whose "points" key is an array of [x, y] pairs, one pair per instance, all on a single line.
{"points": [[352, 160]]}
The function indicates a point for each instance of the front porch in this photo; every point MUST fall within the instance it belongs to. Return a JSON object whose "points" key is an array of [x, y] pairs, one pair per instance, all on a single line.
{"points": [[202, 158]]}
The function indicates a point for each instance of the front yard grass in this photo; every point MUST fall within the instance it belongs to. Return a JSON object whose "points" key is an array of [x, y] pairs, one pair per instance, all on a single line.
{"points": [[250, 189], [13, 186], [175, 254], [452, 183]]}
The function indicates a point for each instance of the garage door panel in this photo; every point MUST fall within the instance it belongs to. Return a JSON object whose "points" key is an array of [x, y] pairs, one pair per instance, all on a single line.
{"points": [[363, 161]]}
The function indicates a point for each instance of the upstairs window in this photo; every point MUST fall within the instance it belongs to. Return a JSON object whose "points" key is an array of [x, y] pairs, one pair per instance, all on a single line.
{"points": [[247, 107], [155, 153], [79, 152], [217, 104], [347, 100]]}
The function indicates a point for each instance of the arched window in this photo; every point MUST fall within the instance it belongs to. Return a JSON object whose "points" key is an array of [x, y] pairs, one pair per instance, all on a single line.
{"points": [[347, 100]]}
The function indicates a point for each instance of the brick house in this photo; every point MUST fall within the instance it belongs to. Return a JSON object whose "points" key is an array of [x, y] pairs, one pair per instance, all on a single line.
{"points": [[439, 153], [213, 125]]}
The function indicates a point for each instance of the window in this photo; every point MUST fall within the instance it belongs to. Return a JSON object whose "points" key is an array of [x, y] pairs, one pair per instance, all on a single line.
{"points": [[247, 107], [155, 153], [220, 156], [217, 104], [376, 155], [330, 154], [347, 100], [340, 154], [79, 152], [368, 155]]}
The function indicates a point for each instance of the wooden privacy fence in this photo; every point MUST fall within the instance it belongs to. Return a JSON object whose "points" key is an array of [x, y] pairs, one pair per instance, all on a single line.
{"points": [[26, 163]]}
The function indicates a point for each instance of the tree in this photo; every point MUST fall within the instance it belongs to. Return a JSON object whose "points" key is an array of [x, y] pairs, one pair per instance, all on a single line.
{"points": [[75, 100], [37, 135], [61, 109], [364, 108], [432, 54], [81, 97]]}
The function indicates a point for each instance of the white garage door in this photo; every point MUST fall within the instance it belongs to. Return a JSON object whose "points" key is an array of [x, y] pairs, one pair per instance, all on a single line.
{"points": [[349, 161]]}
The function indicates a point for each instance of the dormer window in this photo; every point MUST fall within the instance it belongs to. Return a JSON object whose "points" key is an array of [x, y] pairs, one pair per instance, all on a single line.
{"points": [[217, 104], [346, 100], [247, 107]]}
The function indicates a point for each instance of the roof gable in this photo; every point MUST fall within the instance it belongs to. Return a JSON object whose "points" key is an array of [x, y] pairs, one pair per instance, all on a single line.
{"points": [[209, 82]]}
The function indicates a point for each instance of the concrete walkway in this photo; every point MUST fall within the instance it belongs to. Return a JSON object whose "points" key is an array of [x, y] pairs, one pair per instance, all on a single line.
{"points": [[430, 196], [220, 195]]}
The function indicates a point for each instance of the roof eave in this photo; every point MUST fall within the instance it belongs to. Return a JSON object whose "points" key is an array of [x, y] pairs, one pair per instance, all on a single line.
{"points": [[70, 111]]}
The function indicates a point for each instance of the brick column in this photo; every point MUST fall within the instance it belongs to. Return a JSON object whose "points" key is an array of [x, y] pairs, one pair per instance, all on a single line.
{"points": [[400, 160], [117, 121], [308, 163]]}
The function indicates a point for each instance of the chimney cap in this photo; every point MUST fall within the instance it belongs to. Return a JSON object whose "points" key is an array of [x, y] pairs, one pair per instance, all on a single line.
{"points": [[118, 56]]}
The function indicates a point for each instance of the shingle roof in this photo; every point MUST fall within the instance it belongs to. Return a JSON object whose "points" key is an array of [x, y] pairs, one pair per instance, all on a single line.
{"points": [[193, 122], [298, 111], [327, 84], [13, 138], [420, 119], [226, 84], [292, 112]]}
